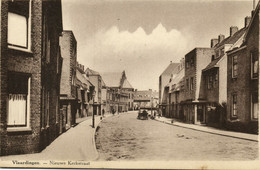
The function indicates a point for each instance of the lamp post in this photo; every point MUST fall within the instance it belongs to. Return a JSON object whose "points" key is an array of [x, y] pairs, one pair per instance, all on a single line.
{"points": [[151, 106], [93, 114]]}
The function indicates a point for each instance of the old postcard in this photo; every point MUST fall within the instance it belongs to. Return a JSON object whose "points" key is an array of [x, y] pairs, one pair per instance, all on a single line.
{"points": [[129, 84]]}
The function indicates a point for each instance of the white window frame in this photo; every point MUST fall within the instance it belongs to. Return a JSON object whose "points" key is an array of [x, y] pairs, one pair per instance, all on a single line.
{"points": [[28, 109], [252, 66], [28, 49], [232, 58], [252, 108], [234, 115]]}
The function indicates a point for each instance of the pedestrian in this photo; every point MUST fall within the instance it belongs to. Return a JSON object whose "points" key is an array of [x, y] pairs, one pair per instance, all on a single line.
{"points": [[103, 112], [113, 111]]}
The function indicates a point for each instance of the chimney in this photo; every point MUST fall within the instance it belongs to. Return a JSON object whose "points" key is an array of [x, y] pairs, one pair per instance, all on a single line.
{"points": [[247, 21], [213, 42], [233, 30], [221, 37]]}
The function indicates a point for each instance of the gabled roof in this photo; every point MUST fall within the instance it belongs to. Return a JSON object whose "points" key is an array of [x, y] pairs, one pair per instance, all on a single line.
{"points": [[232, 39], [112, 79], [82, 80], [213, 63], [171, 69], [252, 20], [229, 40], [91, 72], [127, 85]]}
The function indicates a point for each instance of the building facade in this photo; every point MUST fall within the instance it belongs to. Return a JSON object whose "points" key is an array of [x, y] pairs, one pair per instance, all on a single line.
{"points": [[164, 79], [85, 91], [193, 106], [146, 99], [30, 74], [68, 92], [243, 81], [214, 76], [176, 93], [96, 80], [119, 92]]}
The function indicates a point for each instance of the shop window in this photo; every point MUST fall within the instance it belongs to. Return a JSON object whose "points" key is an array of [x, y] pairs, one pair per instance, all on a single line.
{"points": [[255, 106], [234, 67], [18, 100], [234, 105], [254, 65], [19, 24]]}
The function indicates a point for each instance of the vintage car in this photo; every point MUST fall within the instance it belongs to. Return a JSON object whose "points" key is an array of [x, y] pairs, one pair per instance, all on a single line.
{"points": [[142, 115]]}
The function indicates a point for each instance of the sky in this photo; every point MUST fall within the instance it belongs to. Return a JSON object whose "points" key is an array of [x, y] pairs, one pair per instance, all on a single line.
{"points": [[143, 36]]}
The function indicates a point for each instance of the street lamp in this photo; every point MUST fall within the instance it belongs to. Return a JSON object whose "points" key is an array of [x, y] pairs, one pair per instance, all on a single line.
{"points": [[151, 106], [93, 114]]}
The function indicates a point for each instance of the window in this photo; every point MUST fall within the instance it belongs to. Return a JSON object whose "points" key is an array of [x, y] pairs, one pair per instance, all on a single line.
{"points": [[254, 64], [18, 100], [187, 84], [234, 105], [210, 81], [234, 66], [216, 80], [187, 64], [46, 39], [191, 83], [192, 61], [19, 24], [255, 106], [222, 51]]}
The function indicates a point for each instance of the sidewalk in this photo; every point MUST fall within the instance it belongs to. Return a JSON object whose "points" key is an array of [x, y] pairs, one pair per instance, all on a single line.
{"points": [[211, 130], [78, 143]]}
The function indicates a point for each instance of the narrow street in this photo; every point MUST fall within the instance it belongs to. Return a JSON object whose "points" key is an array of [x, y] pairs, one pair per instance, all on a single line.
{"points": [[124, 137]]}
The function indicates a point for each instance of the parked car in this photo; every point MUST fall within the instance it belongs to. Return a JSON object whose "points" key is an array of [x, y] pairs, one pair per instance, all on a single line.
{"points": [[142, 115]]}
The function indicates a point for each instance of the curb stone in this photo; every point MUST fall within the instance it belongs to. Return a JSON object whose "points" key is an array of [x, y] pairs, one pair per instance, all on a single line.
{"points": [[207, 131]]}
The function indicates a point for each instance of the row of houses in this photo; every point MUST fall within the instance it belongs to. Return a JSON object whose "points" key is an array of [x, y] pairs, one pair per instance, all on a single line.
{"points": [[146, 99], [217, 86], [43, 89]]}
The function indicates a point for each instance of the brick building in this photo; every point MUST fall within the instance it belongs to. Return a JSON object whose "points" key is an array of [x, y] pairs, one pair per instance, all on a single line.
{"points": [[146, 99], [193, 106], [68, 89], [214, 76], [119, 92], [164, 79], [85, 91], [176, 93], [30, 73], [96, 80], [243, 81]]}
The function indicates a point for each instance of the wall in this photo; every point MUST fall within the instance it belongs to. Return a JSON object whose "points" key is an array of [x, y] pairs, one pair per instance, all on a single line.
{"points": [[21, 141], [222, 80], [67, 41], [202, 60]]}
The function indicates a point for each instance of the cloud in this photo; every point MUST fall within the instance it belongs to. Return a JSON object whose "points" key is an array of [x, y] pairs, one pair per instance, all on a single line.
{"points": [[143, 56]]}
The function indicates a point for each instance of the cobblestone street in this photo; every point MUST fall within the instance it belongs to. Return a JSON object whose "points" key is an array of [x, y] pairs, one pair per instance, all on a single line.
{"points": [[124, 137]]}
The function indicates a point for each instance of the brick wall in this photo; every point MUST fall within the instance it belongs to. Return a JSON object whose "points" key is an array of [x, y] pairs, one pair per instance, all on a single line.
{"points": [[29, 140]]}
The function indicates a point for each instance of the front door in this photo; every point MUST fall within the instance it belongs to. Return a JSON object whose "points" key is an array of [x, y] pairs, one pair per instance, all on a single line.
{"points": [[200, 115]]}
